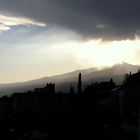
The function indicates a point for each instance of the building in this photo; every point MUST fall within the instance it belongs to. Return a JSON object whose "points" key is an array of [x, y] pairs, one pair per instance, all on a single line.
{"points": [[129, 98]]}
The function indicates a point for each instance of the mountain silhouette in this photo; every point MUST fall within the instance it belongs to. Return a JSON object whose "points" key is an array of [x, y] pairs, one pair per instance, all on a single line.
{"points": [[64, 81]]}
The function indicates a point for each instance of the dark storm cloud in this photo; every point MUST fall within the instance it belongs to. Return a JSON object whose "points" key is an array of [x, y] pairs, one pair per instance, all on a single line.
{"points": [[109, 19]]}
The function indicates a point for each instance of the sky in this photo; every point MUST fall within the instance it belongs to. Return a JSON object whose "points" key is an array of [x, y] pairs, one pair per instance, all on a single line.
{"points": [[48, 37]]}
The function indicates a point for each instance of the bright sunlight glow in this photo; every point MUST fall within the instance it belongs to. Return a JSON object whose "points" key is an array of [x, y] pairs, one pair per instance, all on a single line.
{"points": [[101, 54]]}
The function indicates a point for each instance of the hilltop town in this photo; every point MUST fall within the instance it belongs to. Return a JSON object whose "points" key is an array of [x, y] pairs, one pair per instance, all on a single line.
{"points": [[99, 110]]}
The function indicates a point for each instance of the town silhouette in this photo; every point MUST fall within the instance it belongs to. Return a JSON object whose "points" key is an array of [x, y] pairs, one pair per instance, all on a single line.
{"points": [[100, 110]]}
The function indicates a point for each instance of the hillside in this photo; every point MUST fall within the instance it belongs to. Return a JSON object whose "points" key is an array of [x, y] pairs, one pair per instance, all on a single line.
{"points": [[64, 81]]}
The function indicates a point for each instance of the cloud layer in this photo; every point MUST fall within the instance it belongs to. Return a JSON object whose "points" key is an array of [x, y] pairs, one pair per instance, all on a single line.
{"points": [[6, 22], [107, 19]]}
